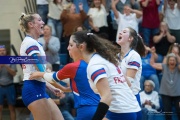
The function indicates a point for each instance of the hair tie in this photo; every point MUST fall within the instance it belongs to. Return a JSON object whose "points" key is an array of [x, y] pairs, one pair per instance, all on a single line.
{"points": [[23, 14]]}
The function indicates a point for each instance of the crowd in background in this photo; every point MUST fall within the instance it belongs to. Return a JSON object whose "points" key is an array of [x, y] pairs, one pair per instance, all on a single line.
{"points": [[154, 20], [157, 21]]}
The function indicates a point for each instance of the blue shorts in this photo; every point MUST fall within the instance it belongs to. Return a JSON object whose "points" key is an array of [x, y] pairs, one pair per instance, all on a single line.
{"points": [[86, 112], [10, 94], [33, 90], [121, 116]]}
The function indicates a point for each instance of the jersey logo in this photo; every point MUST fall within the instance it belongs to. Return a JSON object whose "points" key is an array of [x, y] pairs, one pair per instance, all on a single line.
{"points": [[119, 71], [97, 73]]}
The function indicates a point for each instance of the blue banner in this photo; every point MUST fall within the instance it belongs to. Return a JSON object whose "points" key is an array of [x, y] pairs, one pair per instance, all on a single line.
{"points": [[22, 60]]}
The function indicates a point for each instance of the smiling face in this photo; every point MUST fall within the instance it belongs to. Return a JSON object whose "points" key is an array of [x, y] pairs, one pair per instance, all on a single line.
{"points": [[38, 24], [73, 49], [172, 62], [123, 37]]}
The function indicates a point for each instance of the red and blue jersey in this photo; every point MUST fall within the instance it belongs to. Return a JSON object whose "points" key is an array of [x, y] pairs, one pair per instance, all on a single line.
{"points": [[83, 94]]}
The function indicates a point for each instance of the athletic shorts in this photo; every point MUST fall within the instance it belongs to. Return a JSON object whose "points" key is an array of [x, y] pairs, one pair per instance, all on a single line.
{"points": [[121, 116], [9, 93], [33, 90], [86, 112]]}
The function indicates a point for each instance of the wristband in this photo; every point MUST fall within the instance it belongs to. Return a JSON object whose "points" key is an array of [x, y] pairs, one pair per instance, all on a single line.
{"points": [[101, 111]]}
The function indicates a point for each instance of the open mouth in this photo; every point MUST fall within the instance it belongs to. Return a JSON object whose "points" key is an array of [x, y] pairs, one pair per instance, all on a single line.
{"points": [[120, 37]]}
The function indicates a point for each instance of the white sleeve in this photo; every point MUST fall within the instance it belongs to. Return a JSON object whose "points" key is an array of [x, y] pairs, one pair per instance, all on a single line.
{"points": [[134, 62], [31, 47], [96, 72]]}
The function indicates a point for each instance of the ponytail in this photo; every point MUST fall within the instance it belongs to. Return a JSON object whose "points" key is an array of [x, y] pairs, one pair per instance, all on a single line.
{"points": [[137, 43]]}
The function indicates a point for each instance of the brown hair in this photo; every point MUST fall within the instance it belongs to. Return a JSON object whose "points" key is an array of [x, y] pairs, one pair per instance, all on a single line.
{"points": [[137, 43], [94, 43]]}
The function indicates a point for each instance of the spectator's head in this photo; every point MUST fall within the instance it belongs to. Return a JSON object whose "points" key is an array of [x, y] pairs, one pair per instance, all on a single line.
{"points": [[96, 3], [89, 43], [171, 60], [126, 9], [71, 8], [171, 3], [174, 48], [149, 86], [128, 37], [31, 23], [47, 30], [164, 26], [3, 50]]}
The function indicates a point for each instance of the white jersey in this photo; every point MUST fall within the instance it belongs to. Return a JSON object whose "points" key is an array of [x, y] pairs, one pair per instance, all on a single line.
{"points": [[132, 60], [123, 99], [29, 46]]}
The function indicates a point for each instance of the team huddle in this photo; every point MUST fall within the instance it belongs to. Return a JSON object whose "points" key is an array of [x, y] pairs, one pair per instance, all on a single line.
{"points": [[104, 79]]}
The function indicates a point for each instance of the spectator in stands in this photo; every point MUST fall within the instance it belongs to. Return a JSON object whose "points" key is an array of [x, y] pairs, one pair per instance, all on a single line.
{"points": [[172, 17], [174, 48], [148, 72], [169, 88], [98, 18], [70, 20], [162, 41], [42, 9], [7, 89], [51, 46], [85, 8], [55, 10], [150, 20], [129, 17], [121, 3], [149, 100]]}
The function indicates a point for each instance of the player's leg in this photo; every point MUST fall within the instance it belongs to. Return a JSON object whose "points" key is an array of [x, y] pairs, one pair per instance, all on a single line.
{"points": [[55, 111]]}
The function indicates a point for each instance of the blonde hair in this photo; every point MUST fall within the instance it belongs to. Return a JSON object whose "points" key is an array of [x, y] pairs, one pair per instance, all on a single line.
{"points": [[24, 20]]}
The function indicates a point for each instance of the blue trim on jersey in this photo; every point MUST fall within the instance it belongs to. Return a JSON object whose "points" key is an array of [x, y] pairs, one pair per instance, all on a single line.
{"points": [[40, 43], [32, 48], [134, 63], [97, 73], [55, 77], [127, 53]]}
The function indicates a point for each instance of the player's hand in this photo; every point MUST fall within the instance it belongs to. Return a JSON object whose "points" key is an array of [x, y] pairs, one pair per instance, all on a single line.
{"points": [[36, 75], [57, 92]]}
